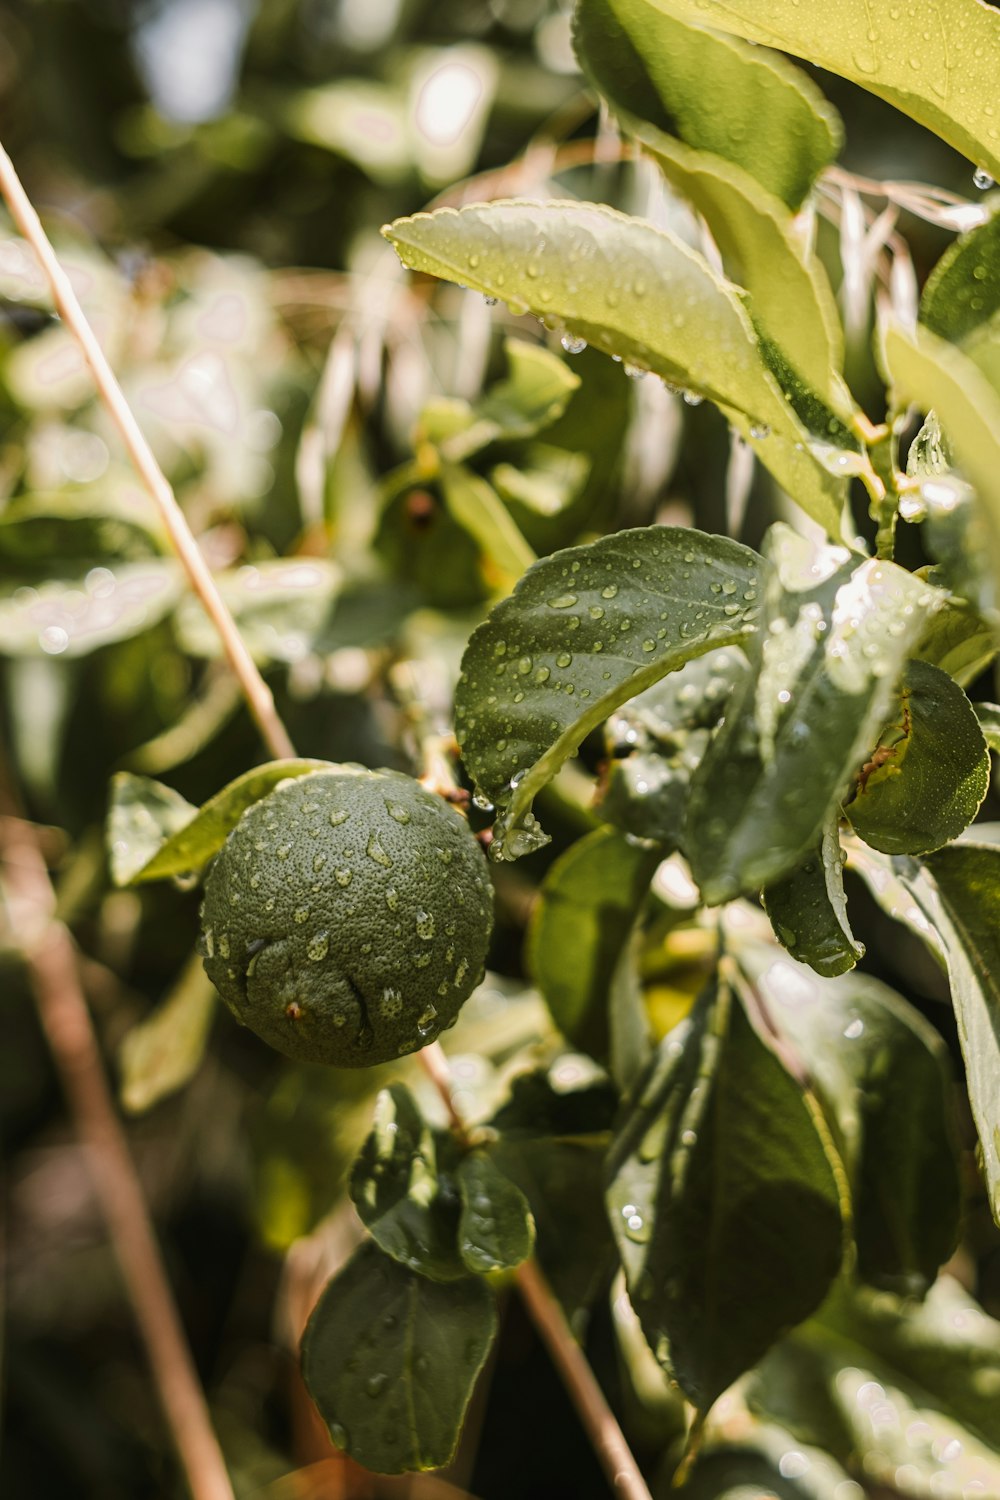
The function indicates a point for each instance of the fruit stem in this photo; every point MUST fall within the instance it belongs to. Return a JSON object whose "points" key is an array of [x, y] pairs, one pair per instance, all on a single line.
{"points": [[258, 695]]}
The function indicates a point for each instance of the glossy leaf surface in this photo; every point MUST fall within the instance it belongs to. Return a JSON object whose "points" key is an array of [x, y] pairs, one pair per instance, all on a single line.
{"points": [[808, 909], [495, 1230], [413, 1350]]}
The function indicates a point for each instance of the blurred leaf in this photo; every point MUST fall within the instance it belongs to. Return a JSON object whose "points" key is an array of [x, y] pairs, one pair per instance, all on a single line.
{"points": [[587, 907], [631, 290], [390, 1360], [281, 607], [924, 783], [163, 1052], [621, 613], [182, 847], [723, 1202], [936, 61], [49, 534], [496, 1230], [959, 641], [403, 1186], [938, 376], [546, 482], [961, 300], [765, 1462], [800, 729], [142, 816], [535, 394], [73, 618], [988, 715], [808, 909], [360, 119], [761, 113], [883, 1077], [477, 507]]}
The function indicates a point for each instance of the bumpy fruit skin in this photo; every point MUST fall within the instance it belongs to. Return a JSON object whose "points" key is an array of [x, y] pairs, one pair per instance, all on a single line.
{"points": [[347, 917]]}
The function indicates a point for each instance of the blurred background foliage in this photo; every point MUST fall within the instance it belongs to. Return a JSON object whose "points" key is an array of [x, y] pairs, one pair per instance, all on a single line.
{"points": [[367, 459]]}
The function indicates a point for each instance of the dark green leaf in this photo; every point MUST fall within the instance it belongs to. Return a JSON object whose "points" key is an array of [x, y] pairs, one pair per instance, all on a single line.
{"points": [[181, 839], [496, 1230], [634, 291], [957, 914], [959, 640], [587, 907], [723, 1201], [390, 1359], [760, 113], [924, 782], [403, 1186], [883, 1078], [585, 630], [802, 725], [808, 909], [937, 60]]}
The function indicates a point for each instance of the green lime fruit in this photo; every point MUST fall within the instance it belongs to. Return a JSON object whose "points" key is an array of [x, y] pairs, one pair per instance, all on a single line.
{"points": [[347, 917]]}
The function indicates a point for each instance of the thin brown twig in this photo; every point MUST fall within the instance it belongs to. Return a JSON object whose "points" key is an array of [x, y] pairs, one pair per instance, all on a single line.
{"points": [[52, 962], [255, 689]]}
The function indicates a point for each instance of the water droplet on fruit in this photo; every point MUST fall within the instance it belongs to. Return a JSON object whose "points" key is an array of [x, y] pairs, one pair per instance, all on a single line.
{"points": [[376, 852], [343, 877], [425, 925], [319, 946], [398, 812]]}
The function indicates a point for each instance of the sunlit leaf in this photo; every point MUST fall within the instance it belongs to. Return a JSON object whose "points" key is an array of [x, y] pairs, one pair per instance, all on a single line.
{"points": [[937, 60], [961, 300], [633, 291], [72, 619], [142, 816], [390, 1359], [477, 507], [280, 606]]}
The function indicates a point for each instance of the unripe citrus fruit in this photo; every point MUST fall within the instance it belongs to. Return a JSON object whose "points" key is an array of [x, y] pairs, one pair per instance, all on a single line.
{"points": [[347, 916]]}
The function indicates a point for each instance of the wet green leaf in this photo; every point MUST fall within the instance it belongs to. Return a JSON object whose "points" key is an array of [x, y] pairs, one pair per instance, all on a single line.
{"points": [[390, 1360], [404, 1188], [587, 907], [722, 1199], [924, 782], [808, 909], [936, 60], [164, 1051], [884, 1080], [803, 724], [185, 837], [495, 1231], [585, 630], [633, 291], [959, 641], [761, 113]]}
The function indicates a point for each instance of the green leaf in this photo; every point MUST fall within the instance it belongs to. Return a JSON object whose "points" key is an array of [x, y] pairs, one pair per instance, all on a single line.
{"points": [[760, 113], [545, 482], [634, 291], [804, 722], [884, 1080], [808, 909], [924, 783], [586, 910], [585, 630], [74, 618], [956, 534], [163, 1052], [959, 641], [988, 715], [281, 608], [390, 1360], [961, 301], [723, 1201], [656, 741], [142, 816], [534, 395], [181, 838], [403, 1186], [496, 1230], [477, 507], [952, 901], [938, 376], [936, 60]]}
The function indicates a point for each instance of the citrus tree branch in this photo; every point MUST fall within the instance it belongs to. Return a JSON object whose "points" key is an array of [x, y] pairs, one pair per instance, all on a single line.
{"points": [[255, 689], [52, 964]]}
